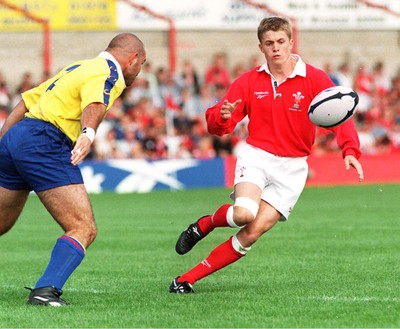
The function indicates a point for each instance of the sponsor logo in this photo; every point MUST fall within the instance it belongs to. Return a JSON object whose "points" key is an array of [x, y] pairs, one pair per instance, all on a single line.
{"points": [[139, 175], [195, 230], [261, 94], [206, 263]]}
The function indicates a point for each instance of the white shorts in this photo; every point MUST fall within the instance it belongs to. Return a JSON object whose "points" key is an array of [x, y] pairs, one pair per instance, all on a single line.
{"points": [[281, 179]]}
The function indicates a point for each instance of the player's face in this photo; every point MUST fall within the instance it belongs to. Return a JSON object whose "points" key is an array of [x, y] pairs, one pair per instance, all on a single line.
{"points": [[276, 47], [133, 68]]}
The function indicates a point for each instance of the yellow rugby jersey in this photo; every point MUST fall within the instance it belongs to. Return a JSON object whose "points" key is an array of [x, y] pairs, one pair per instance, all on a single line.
{"points": [[62, 99]]}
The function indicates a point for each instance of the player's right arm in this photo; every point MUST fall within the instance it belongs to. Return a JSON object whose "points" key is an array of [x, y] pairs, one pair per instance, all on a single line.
{"points": [[223, 116], [17, 114], [92, 115]]}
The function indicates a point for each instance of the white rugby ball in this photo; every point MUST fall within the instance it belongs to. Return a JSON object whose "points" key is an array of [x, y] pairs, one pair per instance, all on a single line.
{"points": [[333, 106]]}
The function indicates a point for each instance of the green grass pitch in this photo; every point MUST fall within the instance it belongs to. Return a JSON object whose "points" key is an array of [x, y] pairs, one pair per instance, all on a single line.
{"points": [[334, 264]]}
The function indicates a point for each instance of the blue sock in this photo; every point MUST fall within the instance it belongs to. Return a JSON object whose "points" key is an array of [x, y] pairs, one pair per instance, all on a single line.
{"points": [[67, 254]]}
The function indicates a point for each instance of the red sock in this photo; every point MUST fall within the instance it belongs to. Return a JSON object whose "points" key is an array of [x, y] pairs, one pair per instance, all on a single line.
{"points": [[218, 219], [220, 257]]}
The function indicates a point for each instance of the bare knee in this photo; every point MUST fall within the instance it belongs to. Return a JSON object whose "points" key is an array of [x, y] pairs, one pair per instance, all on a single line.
{"points": [[84, 232], [242, 216], [92, 233]]}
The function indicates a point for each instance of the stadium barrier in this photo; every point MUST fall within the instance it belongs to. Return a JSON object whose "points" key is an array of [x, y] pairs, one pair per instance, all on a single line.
{"points": [[141, 176]]}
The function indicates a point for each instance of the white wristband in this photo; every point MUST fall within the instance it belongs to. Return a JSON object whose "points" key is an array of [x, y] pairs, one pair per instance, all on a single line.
{"points": [[89, 133]]}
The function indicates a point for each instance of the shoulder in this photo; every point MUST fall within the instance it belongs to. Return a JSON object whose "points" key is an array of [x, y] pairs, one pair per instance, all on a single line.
{"points": [[317, 79], [252, 74], [315, 71]]}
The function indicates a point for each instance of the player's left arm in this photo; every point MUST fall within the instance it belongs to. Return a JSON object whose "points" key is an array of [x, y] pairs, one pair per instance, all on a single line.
{"points": [[91, 117], [17, 114]]}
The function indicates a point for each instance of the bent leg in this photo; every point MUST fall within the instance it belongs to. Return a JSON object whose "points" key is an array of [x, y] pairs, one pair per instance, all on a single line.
{"points": [[11, 205], [235, 247], [70, 207]]}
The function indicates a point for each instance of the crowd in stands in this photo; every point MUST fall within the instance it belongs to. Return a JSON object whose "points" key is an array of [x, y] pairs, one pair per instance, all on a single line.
{"points": [[162, 114]]}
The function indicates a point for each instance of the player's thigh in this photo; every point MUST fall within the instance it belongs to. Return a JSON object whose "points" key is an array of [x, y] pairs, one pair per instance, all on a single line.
{"points": [[11, 204], [70, 206], [249, 190]]}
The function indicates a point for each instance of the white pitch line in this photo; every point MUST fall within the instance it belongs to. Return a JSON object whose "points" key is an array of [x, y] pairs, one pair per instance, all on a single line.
{"points": [[355, 299]]}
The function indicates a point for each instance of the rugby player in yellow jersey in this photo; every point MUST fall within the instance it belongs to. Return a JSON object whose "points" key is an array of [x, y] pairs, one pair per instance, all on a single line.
{"points": [[44, 138]]}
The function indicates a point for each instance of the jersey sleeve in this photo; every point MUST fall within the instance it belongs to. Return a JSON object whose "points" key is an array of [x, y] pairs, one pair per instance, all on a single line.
{"points": [[102, 88], [347, 139], [94, 91]]}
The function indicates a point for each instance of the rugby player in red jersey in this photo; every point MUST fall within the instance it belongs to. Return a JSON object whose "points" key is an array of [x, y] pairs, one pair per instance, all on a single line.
{"points": [[271, 169]]}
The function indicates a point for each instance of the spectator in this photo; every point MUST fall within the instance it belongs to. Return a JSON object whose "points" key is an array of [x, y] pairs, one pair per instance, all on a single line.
{"points": [[344, 75], [364, 88], [381, 80], [328, 68], [218, 73], [189, 78], [5, 97]]}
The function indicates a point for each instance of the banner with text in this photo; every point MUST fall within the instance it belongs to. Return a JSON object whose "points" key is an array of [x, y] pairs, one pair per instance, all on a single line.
{"points": [[236, 14], [66, 15], [76, 15]]}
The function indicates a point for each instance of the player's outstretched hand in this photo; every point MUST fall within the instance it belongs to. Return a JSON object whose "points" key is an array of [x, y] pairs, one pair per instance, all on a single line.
{"points": [[227, 108], [351, 161], [81, 149]]}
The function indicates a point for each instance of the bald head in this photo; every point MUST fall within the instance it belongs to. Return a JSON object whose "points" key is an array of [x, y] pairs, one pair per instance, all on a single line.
{"points": [[126, 43], [129, 51]]}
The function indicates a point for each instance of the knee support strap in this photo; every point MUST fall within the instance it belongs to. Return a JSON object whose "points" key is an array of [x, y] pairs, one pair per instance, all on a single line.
{"points": [[248, 204]]}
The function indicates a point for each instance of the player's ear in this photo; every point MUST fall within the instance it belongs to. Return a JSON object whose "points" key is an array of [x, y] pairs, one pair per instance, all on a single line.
{"points": [[133, 58]]}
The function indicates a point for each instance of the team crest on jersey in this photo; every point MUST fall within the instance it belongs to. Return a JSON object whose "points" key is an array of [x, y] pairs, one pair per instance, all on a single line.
{"points": [[261, 94], [297, 99]]}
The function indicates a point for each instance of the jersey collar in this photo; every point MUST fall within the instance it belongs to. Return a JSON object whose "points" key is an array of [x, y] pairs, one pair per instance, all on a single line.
{"points": [[107, 55], [299, 69]]}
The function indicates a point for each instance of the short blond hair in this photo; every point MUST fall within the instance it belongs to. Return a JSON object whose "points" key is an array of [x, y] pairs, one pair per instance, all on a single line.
{"points": [[274, 23]]}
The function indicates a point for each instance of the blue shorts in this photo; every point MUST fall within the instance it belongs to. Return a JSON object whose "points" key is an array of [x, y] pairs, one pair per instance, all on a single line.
{"points": [[36, 155]]}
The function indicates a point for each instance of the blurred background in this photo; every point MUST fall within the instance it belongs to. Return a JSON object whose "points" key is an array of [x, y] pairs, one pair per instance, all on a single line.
{"points": [[195, 49]]}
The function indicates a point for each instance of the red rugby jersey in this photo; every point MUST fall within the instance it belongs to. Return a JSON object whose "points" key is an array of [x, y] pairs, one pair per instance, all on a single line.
{"points": [[278, 121]]}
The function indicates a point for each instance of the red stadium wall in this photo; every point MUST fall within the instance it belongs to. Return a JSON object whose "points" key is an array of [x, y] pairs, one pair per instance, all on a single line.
{"points": [[329, 170]]}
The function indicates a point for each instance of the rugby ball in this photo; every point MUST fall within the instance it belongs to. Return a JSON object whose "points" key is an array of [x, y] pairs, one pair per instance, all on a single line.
{"points": [[333, 106]]}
